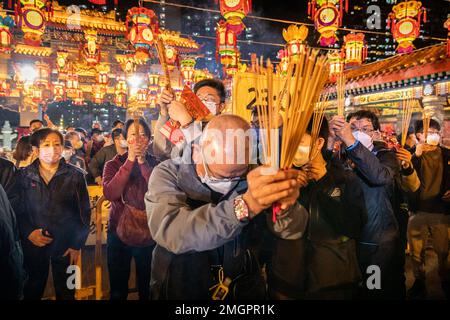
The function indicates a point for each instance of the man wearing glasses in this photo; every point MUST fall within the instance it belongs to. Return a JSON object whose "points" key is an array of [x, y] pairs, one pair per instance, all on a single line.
{"points": [[210, 91], [376, 168]]}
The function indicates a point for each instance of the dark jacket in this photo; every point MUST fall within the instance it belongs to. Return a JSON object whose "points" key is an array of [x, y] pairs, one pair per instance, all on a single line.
{"points": [[436, 204], [127, 181], [100, 159], [324, 257], [12, 273], [62, 207], [196, 232], [7, 171], [376, 171]]}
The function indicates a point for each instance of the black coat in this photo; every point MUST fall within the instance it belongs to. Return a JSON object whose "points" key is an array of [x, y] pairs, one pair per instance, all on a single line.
{"points": [[12, 273], [436, 205], [7, 171], [62, 207], [325, 257]]}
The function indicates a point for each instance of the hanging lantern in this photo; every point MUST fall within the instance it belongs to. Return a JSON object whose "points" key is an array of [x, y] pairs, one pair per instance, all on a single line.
{"points": [[153, 89], [336, 63], [404, 21], [62, 64], [355, 49], [5, 88], [171, 57], [232, 67], [30, 18], [5, 34], [295, 37], [102, 74], [142, 29], [91, 51], [187, 71], [327, 18], [72, 88], [234, 11], [226, 42], [43, 75], [59, 91], [98, 93], [120, 91], [447, 25]]}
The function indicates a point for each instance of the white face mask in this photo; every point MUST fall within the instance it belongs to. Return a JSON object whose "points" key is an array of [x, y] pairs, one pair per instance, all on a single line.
{"points": [[433, 139], [48, 155], [222, 186], [212, 106], [100, 138], [67, 154], [364, 139], [301, 156]]}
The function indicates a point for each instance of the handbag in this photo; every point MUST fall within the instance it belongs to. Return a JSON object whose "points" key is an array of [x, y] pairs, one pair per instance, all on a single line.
{"points": [[132, 228]]}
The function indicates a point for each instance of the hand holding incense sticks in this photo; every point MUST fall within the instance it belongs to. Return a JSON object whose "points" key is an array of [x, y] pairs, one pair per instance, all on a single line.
{"points": [[407, 107]]}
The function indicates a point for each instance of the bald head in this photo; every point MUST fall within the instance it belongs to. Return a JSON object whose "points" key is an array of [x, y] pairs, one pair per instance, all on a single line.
{"points": [[225, 146]]}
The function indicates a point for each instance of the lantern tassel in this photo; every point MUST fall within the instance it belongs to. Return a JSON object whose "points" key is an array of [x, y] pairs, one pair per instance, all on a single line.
{"points": [[346, 5], [424, 15]]}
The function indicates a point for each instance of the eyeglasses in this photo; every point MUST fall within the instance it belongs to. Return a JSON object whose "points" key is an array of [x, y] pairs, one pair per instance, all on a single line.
{"points": [[365, 130], [211, 178]]}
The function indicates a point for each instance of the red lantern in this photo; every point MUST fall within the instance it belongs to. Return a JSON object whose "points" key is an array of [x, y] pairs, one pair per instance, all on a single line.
{"points": [[336, 61], [355, 49], [59, 91], [5, 39], [234, 11], [226, 42], [187, 71], [404, 21], [30, 18], [327, 18], [171, 57], [142, 28]]}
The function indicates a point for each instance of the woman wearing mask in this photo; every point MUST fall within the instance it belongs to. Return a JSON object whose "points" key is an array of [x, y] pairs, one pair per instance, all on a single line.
{"points": [[51, 202], [24, 154], [125, 182]]}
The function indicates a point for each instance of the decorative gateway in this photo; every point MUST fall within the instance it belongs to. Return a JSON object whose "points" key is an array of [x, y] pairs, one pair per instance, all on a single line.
{"points": [[404, 21], [327, 18], [30, 18]]}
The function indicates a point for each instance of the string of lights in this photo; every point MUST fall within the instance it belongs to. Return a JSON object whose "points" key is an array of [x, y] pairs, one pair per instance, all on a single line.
{"points": [[165, 3]]}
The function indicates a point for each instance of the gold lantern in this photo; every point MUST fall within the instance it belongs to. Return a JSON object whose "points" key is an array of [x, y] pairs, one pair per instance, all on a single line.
{"points": [[295, 36], [336, 63], [187, 70], [355, 49]]}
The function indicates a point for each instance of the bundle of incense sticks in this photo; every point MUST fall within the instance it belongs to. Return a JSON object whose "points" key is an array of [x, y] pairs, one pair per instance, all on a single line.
{"points": [[319, 113], [306, 79], [340, 90], [299, 95], [426, 123], [407, 107]]}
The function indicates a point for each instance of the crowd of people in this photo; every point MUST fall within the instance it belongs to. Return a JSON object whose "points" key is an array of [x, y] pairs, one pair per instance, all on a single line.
{"points": [[203, 221]]}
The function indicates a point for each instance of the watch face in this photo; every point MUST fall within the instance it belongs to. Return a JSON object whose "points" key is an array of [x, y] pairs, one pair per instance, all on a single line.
{"points": [[232, 3], [147, 35], [327, 16]]}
